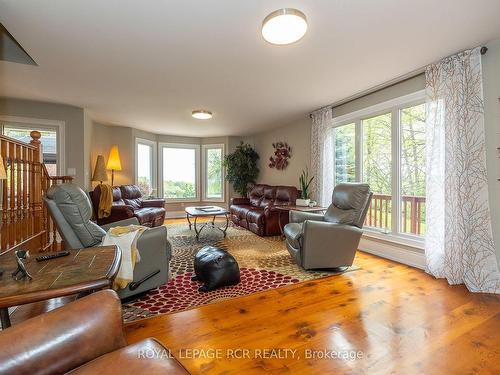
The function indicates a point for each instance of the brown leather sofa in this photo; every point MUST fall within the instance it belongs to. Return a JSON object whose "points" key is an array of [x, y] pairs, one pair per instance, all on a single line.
{"points": [[258, 212], [83, 337], [127, 203]]}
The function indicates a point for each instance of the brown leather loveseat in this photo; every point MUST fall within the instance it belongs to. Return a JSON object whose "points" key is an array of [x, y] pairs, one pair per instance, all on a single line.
{"points": [[258, 212], [127, 203]]}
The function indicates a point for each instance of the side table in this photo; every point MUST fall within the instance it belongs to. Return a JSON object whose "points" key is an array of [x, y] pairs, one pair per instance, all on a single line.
{"points": [[83, 271]]}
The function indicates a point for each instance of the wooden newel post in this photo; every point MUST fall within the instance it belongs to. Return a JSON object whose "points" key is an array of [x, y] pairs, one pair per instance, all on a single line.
{"points": [[36, 181], [35, 141], [36, 176]]}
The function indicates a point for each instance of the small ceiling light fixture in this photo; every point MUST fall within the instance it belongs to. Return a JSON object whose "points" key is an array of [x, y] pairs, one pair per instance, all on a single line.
{"points": [[201, 114], [284, 26]]}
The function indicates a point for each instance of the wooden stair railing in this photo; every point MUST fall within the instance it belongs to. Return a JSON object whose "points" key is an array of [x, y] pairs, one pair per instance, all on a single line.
{"points": [[25, 222]]}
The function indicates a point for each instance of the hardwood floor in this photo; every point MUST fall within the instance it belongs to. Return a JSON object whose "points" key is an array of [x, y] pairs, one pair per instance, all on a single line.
{"points": [[396, 319]]}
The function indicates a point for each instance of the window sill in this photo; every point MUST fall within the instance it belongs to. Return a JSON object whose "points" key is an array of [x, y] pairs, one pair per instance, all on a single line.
{"points": [[213, 200], [417, 244], [190, 200]]}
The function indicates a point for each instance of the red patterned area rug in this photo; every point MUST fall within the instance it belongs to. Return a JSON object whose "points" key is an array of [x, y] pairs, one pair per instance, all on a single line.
{"points": [[264, 264]]}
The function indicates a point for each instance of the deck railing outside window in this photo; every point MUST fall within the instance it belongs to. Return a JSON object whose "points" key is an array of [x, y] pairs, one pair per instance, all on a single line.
{"points": [[412, 213]]}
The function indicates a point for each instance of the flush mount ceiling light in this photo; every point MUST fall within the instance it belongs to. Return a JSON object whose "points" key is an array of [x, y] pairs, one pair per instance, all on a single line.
{"points": [[201, 114], [284, 26]]}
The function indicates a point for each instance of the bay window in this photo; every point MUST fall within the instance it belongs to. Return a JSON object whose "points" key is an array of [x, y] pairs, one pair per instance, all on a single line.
{"points": [[179, 171], [145, 159], [213, 176]]}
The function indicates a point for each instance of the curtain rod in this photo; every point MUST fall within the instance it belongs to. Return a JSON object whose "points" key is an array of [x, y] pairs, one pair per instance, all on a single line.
{"points": [[385, 85]]}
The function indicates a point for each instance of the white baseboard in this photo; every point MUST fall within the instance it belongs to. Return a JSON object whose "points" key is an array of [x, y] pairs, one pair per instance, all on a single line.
{"points": [[403, 254]]}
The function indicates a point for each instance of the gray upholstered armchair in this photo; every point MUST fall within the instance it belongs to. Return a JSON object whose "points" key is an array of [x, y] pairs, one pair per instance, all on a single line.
{"points": [[319, 241], [71, 210]]}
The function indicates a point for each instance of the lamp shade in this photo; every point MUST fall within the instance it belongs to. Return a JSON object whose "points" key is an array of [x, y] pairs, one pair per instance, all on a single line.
{"points": [[100, 170], [3, 173], [114, 159]]}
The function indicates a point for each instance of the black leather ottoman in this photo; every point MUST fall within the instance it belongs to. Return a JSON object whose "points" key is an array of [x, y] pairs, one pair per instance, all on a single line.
{"points": [[216, 268]]}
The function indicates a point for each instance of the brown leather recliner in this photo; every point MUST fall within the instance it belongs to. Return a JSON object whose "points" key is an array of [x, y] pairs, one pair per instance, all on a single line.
{"points": [[127, 203], [258, 212], [83, 337]]}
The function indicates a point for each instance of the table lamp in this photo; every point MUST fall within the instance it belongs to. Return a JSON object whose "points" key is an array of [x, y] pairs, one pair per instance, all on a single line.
{"points": [[3, 176], [114, 162], [100, 170]]}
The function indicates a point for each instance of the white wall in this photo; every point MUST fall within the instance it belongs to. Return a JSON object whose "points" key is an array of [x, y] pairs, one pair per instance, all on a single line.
{"points": [[73, 118], [105, 136], [88, 127], [298, 137]]}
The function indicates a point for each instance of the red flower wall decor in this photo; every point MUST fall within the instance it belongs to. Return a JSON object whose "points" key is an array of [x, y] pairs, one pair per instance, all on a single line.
{"points": [[282, 152]]}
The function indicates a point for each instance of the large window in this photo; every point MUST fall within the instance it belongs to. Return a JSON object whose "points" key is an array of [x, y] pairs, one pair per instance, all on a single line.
{"points": [[179, 171], [49, 140], [384, 146], [213, 176], [146, 166]]}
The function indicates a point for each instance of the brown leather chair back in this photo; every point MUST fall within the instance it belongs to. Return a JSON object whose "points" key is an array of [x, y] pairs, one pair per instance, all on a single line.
{"points": [[263, 195], [268, 197], [285, 196], [131, 195], [256, 195], [95, 197], [59, 340]]}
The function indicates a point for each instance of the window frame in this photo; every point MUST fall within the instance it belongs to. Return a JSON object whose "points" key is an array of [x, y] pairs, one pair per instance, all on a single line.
{"points": [[196, 147], [205, 148], [154, 156], [394, 107], [42, 124]]}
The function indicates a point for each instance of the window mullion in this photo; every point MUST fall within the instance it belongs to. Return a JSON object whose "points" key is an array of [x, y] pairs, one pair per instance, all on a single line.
{"points": [[358, 150], [161, 162], [396, 165]]}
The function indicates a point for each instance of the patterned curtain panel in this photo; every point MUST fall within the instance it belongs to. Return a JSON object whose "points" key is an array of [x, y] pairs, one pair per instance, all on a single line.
{"points": [[459, 242], [322, 156]]}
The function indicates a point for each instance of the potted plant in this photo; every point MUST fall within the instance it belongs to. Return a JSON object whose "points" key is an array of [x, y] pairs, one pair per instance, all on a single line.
{"points": [[304, 182], [241, 168]]}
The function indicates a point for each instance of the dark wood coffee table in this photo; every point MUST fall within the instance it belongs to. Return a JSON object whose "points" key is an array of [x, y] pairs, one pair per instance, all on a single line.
{"points": [[196, 213], [83, 271]]}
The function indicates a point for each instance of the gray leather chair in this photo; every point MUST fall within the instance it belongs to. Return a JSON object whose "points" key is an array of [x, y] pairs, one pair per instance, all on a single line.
{"points": [[318, 241], [71, 210]]}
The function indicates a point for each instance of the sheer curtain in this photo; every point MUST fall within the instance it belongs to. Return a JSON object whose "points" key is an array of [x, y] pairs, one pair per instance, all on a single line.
{"points": [[322, 156], [459, 242]]}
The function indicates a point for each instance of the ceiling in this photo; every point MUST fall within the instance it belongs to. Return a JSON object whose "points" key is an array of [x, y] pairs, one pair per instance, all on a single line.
{"points": [[148, 63]]}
